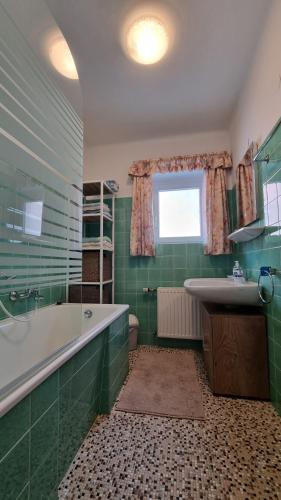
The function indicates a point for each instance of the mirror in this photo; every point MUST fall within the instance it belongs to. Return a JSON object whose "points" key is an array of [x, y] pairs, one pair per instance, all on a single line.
{"points": [[247, 188]]}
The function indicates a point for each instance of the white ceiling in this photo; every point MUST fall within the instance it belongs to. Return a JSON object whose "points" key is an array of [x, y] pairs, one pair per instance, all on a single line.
{"points": [[193, 89]]}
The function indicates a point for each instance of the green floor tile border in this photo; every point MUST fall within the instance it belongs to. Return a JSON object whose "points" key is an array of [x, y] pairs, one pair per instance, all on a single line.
{"points": [[40, 435]]}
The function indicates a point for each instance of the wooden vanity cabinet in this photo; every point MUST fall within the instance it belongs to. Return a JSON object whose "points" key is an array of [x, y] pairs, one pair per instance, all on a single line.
{"points": [[235, 350]]}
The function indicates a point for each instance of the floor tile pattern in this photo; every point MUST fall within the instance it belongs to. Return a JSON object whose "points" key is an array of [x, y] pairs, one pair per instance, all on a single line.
{"points": [[235, 453]]}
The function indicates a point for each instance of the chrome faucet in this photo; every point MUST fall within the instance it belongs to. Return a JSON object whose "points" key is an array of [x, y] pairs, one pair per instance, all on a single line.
{"points": [[27, 294]]}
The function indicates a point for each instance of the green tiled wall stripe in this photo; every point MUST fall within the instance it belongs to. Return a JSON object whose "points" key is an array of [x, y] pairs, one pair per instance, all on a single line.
{"points": [[171, 266], [40, 436], [266, 250], [40, 160]]}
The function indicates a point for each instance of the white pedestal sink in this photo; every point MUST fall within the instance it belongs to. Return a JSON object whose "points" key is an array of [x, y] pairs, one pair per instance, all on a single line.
{"points": [[223, 291]]}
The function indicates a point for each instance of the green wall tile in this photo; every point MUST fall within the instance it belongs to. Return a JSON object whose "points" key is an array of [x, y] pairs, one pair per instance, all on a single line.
{"points": [[45, 478], [66, 372], [43, 396], [14, 470], [44, 437], [74, 426], [53, 495], [115, 362], [13, 425], [69, 441], [24, 495]]}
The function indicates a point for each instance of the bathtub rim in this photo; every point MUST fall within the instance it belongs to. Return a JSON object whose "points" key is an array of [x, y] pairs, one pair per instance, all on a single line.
{"points": [[20, 392]]}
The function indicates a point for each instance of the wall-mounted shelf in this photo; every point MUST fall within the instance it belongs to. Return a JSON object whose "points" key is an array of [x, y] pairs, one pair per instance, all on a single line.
{"points": [[270, 150], [246, 234]]}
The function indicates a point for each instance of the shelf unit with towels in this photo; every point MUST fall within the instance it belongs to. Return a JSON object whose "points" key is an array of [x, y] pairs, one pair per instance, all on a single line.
{"points": [[97, 283]]}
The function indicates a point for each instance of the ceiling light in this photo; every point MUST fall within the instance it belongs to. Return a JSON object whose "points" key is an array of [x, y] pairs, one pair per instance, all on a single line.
{"points": [[147, 40], [62, 59]]}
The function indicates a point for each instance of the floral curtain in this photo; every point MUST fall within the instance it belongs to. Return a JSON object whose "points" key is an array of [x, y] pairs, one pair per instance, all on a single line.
{"points": [[245, 188], [217, 221], [214, 164], [142, 223]]}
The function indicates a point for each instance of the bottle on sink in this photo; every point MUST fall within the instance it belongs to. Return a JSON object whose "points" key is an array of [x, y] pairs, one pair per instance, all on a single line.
{"points": [[237, 272]]}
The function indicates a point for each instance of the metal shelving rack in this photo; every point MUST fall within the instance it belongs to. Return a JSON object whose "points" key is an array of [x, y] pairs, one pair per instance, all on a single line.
{"points": [[99, 190]]}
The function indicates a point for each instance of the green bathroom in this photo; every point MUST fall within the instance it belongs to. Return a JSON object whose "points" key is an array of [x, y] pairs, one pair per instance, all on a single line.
{"points": [[140, 249]]}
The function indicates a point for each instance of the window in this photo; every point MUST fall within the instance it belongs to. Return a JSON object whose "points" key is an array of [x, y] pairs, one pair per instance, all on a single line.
{"points": [[178, 207]]}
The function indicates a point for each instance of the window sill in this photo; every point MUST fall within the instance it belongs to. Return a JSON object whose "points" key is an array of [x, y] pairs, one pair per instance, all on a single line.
{"points": [[179, 241]]}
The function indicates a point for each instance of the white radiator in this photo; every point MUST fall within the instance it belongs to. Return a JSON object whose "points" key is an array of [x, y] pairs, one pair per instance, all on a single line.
{"points": [[178, 314]]}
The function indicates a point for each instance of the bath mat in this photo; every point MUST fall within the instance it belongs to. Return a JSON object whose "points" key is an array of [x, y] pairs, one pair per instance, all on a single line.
{"points": [[163, 383]]}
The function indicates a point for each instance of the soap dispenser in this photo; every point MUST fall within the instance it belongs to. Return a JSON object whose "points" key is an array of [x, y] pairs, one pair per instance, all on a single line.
{"points": [[237, 271]]}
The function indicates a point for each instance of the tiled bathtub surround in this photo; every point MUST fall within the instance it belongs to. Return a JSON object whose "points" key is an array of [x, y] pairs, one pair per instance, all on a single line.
{"points": [[40, 436], [40, 163], [171, 266], [233, 454]]}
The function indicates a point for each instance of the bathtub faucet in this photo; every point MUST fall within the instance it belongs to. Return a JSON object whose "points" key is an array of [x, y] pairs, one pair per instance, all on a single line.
{"points": [[27, 294]]}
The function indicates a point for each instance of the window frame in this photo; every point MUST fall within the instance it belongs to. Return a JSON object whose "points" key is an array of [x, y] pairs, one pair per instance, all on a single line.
{"points": [[172, 182]]}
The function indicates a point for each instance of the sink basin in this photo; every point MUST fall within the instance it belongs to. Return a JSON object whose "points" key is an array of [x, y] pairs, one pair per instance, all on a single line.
{"points": [[223, 291]]}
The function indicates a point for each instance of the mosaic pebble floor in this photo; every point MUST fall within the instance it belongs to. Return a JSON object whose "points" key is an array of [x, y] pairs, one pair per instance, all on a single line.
{"points": [[235, 453]]}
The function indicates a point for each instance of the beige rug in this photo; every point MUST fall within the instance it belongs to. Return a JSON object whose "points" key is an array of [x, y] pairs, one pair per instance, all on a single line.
{"points": [[163, 383]]}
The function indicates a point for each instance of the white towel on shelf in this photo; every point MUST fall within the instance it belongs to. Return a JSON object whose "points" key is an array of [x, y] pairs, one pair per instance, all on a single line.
{"points": [[94, 243], [96, 207], [97, 247], [96, 239]]}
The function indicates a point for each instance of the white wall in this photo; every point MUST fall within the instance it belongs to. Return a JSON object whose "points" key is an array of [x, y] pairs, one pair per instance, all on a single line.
{"points": [[112, 161], [259, 105]]}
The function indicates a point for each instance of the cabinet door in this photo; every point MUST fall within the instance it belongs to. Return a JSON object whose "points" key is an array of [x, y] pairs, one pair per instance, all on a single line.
{"points": [[206, 326], [240, 356]]}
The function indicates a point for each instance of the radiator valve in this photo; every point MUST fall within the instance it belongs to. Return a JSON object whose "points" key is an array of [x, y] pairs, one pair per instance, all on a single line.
{"points": [[149, 290]]}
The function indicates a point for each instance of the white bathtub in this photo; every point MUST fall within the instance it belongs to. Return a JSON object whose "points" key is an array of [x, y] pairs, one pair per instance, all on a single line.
{"points": [[30, 352]]}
